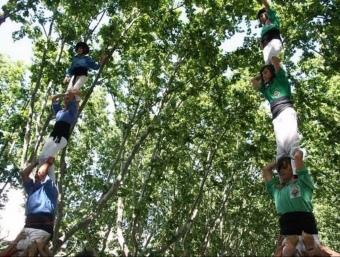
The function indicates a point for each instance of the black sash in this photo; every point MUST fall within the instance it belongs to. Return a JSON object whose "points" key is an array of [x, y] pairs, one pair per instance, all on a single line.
{"points": [[269, 36], [79, 71], [43, 221], [280, 104], [60, 129]]}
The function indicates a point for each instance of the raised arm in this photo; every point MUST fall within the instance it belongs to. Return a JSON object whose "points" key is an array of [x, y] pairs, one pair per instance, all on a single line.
{"points": [[266, 4], [267, 171], [298, 157], [43, 170], [255, 81], [276, 63], [54, 98], [25, 174]]}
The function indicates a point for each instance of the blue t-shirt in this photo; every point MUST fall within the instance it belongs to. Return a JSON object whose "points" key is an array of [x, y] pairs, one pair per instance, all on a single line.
{"points": [[41, 197], [83, 62], [69, 115]]}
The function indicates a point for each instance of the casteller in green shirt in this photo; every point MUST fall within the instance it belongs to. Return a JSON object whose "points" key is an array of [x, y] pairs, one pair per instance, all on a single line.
{"points": [[278, 88], [293, 197]]}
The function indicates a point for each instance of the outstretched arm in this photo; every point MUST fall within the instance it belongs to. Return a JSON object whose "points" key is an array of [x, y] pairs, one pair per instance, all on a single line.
{"points": [[266, 4], [329, 251], [103, 57], [267, 171]]}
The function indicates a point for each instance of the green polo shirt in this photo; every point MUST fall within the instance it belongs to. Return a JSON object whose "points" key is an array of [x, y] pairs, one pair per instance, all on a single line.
{"points": [[293, 197], [274, 22], [278, 88]]}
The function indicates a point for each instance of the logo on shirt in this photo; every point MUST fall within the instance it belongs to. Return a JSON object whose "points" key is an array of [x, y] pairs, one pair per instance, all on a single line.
{"points": [[276, 93], [295, 191]]}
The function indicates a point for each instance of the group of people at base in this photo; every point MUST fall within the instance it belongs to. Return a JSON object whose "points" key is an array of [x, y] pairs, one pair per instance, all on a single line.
{"points": [[39, 180], [292, 192]]}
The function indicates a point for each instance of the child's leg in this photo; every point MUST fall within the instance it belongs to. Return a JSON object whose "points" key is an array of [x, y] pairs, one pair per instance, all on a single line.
{"points": [[80, 82], [292, 141], [273, 48], [70, 84], [286, 134], [290, 245], [50, 149]]}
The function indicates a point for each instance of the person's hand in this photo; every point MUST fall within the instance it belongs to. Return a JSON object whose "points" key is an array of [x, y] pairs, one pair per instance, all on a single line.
{"points": [[261, 45], [103, 56], [315, 252], [42, 247], [308, 240], [74, 92], [279, 247], [289, 251], [328, 251], [20, 236], [66, 80]]}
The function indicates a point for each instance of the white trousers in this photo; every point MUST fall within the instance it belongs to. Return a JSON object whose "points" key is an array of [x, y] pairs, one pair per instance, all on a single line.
{"points": [[286, 134], [80, 81], [273, 48], [32, 235], [51, 148]]}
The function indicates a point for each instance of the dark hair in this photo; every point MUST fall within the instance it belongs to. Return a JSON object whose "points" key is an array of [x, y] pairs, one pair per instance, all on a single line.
{"points": [[260, 12], [86, 48], [86, 253], [284, 159], [271, 69]]}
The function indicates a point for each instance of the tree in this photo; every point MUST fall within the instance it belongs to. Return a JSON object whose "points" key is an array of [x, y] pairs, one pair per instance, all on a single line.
{"points": [[170, 136]]}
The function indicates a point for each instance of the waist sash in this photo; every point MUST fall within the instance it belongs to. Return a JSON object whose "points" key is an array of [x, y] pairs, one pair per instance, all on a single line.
{"points": [[43, 221], [60, 129], [269, 36], [280, 104]]}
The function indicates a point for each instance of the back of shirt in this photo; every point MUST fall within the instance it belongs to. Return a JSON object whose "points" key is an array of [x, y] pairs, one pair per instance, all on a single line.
{"points": [[41, 197]]}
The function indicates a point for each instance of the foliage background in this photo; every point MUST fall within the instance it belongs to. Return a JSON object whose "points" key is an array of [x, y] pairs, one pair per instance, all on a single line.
{"points": [[165, 158]]}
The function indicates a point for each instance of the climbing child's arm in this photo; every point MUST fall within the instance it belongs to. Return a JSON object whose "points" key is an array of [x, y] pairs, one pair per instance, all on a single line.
{"points": [[266, 4]]}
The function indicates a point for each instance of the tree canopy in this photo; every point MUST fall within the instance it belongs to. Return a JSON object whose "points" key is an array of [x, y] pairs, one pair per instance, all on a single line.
{"points": [[165, 157]]}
